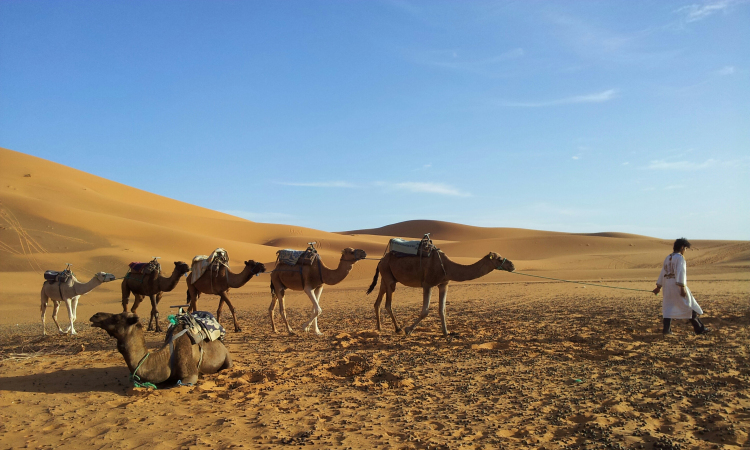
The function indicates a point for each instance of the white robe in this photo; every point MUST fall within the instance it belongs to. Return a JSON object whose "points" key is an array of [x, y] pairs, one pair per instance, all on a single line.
{"points": [[673, 275]]}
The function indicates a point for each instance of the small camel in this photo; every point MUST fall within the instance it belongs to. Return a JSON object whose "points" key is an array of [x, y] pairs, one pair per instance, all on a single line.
{"points": [[428, 272], [219, 284], [311, 280], [69, 293], [183, 361], [152, 285]]}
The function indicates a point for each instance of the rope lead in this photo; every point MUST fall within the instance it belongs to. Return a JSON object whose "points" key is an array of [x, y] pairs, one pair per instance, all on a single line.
{"points": [[580, 282]]}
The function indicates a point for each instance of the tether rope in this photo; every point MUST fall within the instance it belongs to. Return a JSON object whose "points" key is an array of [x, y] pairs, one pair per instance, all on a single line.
{"points": [[581, 282]]}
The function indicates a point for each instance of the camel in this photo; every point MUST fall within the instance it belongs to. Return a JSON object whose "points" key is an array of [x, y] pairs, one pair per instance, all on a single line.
{"points": [[152, 285], [182, 361], [428, 272], [69, 293], [311, 280], [219, 284]]}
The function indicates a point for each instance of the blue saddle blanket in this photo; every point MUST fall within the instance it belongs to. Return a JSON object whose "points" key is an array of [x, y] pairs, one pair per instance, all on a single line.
{"points": [[289, 257]]}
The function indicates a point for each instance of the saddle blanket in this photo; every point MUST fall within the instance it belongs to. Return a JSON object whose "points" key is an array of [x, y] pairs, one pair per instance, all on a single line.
{"points": [[403, 246], [201, 263], [201, 326], [289, 257], [53, 276], [145, 268]]}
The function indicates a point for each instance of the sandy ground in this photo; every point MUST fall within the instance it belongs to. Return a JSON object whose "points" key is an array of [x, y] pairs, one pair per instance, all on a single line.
{"points": [[536, 365]]}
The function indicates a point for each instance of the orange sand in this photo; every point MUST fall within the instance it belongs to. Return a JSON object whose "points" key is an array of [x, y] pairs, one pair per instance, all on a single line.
{"points": [[537, 363]]}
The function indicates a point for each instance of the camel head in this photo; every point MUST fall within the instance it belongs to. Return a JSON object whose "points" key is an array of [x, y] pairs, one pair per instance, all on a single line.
{"points": [[105, 277], [116, 325], [350, 254], [255, 267], [181, 267], [501, 263]]}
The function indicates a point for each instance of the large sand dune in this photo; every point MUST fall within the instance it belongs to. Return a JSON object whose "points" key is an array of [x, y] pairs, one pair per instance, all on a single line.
{"points": [[539, 364]]}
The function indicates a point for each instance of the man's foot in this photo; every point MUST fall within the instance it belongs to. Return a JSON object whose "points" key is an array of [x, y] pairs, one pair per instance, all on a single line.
{"points": [[703, 331]]}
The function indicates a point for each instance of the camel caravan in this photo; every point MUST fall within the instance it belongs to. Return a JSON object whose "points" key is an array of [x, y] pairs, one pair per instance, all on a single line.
{"points": [[194, 342]]}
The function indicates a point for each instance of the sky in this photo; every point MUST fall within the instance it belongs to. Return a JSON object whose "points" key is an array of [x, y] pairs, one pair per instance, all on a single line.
{"points": [[585, 116]]}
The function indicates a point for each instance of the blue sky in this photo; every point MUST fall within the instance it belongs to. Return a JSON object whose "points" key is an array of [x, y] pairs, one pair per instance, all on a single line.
{"points": [[337, 115]]}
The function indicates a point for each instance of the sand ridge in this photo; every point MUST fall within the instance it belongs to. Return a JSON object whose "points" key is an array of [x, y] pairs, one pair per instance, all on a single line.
{"points": [[537, 364]]}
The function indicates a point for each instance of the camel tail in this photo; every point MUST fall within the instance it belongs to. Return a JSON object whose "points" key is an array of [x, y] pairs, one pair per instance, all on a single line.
{"points": [[374, 280], [273, 291]]}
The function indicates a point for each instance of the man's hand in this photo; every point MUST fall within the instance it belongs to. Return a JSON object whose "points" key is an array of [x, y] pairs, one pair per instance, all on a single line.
{"points": [[657, 290], [683, 291]]}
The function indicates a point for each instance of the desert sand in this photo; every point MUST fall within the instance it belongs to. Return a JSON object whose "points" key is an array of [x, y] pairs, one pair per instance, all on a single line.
{"points": [[537, 363]]}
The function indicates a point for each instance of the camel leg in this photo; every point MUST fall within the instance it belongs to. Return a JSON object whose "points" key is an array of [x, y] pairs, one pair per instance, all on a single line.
{"points": [[272, 309], [154, 313], [55, 309], [68, 303], [426, 293], [317, 292], [43, 310], [125, 295], [377, 305], [192, 298], [316, 310], [390, 289], [443, 294], [282, 310], [137, 299], [225, 298]]}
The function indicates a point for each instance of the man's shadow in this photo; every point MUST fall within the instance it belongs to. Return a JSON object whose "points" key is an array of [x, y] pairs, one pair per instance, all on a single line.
{"points": [[70, 381]]}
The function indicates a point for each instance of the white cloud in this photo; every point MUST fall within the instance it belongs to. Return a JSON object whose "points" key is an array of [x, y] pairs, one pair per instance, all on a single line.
{"points": [[576, 157], [598, 97], [323, 184], [430, 188], [626, 164], [258, 216], [679, 165], [696, 12], [726, 70]]}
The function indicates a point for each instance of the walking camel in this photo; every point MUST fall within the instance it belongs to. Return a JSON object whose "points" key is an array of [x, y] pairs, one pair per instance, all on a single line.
{"points": [[428, 272], [68, 292], [219, 283], [311, 280], [181, 361], [151, 285]]}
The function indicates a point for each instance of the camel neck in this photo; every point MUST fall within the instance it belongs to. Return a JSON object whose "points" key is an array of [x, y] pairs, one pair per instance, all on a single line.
{"points": [[236, 280], [167, 284], [337, 275], [460, 272], [83, 288]]}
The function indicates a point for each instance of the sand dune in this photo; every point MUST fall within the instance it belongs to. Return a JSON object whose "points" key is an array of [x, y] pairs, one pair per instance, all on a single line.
{"points": [[538, 364]]}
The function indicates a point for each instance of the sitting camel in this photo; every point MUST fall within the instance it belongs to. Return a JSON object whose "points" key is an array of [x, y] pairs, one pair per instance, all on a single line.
{"points": [[181, 361], [219, 283], [311, 280], [152, 285], [69, 292], [428, 272]]}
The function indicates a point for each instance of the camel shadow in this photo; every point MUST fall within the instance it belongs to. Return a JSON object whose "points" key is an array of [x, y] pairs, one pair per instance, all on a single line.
{"points": [[70, 381]]}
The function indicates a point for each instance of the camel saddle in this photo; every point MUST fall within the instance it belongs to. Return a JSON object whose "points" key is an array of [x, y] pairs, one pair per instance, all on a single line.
{"points": [[199, 326], [144, 268], [291, 257], [53, 276], [200, 263], [402, 247]]}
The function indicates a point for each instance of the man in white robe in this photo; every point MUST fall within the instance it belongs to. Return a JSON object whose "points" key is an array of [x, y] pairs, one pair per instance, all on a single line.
{"points": [[678, 302]]}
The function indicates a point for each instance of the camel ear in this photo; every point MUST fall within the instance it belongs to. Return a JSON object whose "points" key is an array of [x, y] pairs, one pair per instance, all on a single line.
{"points": [[492, 255]]}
